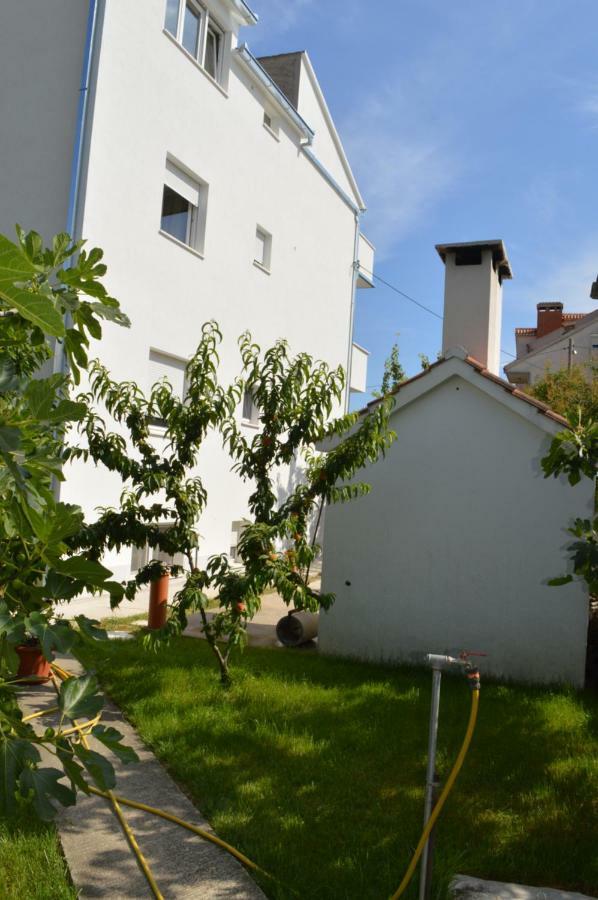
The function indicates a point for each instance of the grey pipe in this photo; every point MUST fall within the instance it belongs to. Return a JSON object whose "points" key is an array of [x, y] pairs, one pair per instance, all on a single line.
{"points": [[297, 628]]}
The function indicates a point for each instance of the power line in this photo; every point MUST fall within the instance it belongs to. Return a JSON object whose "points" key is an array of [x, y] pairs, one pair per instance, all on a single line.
{"points": [[432, 312], [402, 293]]}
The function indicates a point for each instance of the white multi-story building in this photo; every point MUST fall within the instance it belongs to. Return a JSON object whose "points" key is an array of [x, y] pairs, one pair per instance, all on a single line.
{"points": [[216, 183]]}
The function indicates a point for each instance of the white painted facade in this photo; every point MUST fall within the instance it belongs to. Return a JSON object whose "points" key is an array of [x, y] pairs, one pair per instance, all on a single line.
{"points": [[273, 247], [453, 547]]}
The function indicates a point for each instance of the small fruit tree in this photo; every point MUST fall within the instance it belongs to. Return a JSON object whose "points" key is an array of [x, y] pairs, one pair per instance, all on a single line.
{"points": [[156, 456], [296, 398], [48, 304]]}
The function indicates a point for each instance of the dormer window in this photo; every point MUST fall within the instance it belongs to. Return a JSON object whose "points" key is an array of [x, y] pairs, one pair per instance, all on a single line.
{"points": [[194, 28]]}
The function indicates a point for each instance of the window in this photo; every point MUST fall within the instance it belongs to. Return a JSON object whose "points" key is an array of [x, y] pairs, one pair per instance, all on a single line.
{"points": [[213, 54], [251, 413], [196, 31], [178, 216], [263, 248], [184, 207], [172, 368], [140, 556], [237, 529], [271, 124]]}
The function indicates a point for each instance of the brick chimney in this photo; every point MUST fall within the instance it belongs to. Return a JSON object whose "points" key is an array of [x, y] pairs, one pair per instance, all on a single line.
{"points": [[550, 317], [474, 273]]}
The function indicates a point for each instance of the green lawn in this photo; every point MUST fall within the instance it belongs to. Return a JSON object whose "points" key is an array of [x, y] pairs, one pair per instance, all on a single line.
{"points": [[314, 767], [31, 864]]}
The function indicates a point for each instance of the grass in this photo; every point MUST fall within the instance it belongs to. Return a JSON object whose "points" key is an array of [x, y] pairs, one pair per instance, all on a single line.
{"points": [[31, 862], [315, 767], [124, 623]]}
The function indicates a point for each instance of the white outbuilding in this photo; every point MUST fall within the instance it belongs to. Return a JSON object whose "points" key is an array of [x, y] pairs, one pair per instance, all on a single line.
{"points": [[454, 546]]}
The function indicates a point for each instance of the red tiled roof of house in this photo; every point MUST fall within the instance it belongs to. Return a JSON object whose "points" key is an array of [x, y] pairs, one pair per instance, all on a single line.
{"points": [[565, 317]]}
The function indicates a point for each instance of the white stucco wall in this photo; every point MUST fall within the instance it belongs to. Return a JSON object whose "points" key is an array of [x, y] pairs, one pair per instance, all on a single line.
{"points": [[41, 53], [452, 548], [152, 100]]}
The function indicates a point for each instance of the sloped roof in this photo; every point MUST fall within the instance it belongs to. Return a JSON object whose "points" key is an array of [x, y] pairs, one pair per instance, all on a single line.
{"points": [[483, 372]]}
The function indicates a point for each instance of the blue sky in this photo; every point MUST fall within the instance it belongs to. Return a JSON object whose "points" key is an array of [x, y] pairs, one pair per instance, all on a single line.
{"points": [[461, 121]]}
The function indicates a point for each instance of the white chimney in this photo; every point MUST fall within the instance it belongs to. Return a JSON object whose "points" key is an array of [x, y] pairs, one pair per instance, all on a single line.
{"points": [[473, 298]]}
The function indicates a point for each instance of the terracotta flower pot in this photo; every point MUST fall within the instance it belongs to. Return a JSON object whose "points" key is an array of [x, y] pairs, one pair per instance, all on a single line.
{"points": [[34, 668]]}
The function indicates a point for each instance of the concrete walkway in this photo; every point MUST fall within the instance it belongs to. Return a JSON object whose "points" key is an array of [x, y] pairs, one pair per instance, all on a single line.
{"points": [[96, 850]]}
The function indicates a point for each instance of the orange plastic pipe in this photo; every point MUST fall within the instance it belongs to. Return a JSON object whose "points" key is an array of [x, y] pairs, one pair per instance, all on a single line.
{"points": [[158, 602]]}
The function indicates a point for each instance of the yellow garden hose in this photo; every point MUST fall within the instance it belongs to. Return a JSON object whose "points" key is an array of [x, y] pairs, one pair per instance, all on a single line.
{"points": [[141, 860], [475, 701], [208, 836]]}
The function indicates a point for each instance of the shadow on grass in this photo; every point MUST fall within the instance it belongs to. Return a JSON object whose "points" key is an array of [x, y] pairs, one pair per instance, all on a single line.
{"points": [[315, 767]]}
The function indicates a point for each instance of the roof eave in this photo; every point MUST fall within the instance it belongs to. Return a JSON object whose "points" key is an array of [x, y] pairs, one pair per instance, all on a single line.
{"points": [[257, 71]]}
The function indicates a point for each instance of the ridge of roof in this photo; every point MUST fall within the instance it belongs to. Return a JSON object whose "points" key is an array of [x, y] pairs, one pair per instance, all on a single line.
{"points": [[481, 369]]}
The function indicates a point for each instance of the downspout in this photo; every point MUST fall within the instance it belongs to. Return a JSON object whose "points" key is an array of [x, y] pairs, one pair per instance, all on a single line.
{"points": [[354, 276], [60, 362]]}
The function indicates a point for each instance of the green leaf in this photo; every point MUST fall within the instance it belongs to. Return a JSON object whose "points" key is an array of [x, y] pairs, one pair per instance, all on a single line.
{"points": [[13, 628], [79, 697], [15, 268], [558, 582], [10, 439], [70, 765], [100, 769], [45, 785], [89, 629], [87, 570], [52, 636], [14, 754], [111, 738]]}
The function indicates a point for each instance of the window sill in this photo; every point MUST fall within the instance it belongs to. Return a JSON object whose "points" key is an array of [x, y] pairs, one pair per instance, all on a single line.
{"points": [[180, 243], [197, 65], [262, 268], [271, 132], [156, 430], [247, 424]]}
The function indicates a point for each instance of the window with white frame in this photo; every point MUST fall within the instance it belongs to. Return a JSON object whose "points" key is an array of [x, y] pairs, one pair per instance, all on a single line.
{"points": [[270, 123], [196, 30], [251, 412], [140, 556], [237, 529], [263, 248], [184, 207], [172, 368]]}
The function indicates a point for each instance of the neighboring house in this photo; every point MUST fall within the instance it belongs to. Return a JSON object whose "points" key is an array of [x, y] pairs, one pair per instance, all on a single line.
{"points": [[453, 546], [216, 184], [559, 341]]}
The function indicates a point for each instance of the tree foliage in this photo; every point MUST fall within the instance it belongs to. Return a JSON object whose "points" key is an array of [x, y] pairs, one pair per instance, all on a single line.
{"points": [[394, 373], [574, 453], [47, 302], [569, 393]]}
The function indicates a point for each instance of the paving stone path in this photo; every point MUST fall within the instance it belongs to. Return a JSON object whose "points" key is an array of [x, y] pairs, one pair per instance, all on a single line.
{"points": [[97, 852]]}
